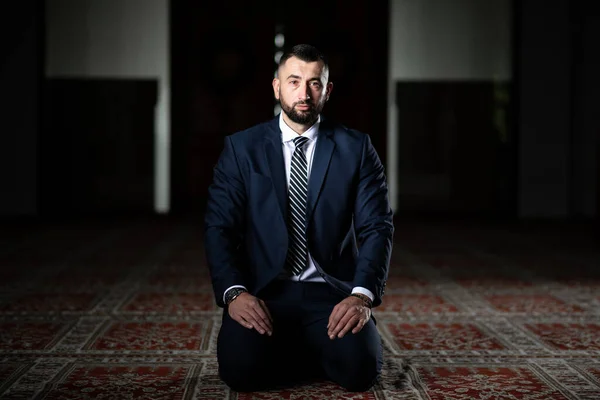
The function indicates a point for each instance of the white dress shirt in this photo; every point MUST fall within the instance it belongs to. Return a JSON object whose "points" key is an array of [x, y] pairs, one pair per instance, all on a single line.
{"points": [[310, 274]]}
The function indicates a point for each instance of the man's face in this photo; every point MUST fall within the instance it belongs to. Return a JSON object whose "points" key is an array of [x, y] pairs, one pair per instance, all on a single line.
{"points": [[302, 89]]}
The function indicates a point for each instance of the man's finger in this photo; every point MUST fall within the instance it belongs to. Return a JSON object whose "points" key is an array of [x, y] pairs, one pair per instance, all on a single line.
{"points": [[352, 322], [266, 309], [264, 315], [249, 318], [361, 324], [334, 318], [350, 313], [256, 323], [240, 320], [259, 314]]}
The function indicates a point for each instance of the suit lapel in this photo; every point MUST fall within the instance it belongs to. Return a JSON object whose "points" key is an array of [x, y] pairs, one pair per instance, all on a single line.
{"points": [[274, 155], [321, 160]]}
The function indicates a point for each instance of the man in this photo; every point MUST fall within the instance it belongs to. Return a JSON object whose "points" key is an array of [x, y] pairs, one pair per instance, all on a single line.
{"points": [[298, 236]]}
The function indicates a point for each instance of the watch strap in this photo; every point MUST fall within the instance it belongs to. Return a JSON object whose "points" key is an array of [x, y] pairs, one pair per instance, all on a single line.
{"points": [[232, 294]]}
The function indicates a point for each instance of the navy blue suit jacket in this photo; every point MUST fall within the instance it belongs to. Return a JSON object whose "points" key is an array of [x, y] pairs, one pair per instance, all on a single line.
{"points": [[349, 221]]}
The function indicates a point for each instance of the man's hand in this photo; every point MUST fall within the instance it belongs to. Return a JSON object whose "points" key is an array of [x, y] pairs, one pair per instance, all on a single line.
{"points": [[251, 312], [350, 313]]}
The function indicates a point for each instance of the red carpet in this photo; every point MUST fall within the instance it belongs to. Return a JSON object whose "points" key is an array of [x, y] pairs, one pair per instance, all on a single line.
{"points": [[125, 310]]}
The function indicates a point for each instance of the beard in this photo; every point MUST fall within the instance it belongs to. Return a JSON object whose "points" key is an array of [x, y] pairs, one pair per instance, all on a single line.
{"points": [[307, 117]]}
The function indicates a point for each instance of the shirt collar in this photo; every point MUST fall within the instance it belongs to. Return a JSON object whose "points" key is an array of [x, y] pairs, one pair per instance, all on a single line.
{"points": [[288, 134]]}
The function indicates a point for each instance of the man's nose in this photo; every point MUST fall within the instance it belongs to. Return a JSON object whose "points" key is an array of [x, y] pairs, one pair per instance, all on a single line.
{"points": [[304, 93]]}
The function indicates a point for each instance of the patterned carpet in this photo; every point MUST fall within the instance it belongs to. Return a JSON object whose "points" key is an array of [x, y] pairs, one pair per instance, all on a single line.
{"points": [[125, 310]]}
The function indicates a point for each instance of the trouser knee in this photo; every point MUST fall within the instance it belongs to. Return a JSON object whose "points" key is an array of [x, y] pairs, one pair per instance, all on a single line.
{"points": [[357, 376], [243, 378], [359, 379]]}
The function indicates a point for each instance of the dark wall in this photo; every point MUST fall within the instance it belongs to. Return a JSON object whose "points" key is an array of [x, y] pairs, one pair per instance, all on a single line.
{"points": [[21, 63], [223, 64], [558, 126], [456, 148], [546, 164], [97, 147], [585, 126]]}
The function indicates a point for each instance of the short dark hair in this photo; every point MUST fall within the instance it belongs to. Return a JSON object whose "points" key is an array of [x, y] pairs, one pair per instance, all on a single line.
{"points": [[304, 52]]}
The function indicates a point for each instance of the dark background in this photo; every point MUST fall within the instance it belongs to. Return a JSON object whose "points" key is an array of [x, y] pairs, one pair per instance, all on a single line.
{"points": [[82, 147], [230, 62]]}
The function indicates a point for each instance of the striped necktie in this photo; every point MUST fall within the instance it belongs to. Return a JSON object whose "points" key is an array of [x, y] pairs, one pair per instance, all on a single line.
{"points": [[297, 257]]}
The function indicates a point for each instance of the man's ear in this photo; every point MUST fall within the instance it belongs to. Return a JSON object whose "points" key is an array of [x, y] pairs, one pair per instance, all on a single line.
{"points": [[328, 90], [276, 84]]}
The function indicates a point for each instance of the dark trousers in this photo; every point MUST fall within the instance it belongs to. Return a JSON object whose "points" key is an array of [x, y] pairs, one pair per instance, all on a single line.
{"points": [[299, 349]]}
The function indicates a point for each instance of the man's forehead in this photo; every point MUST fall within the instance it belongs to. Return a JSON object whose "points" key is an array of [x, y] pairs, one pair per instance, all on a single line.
{"points": [[295, 66]]}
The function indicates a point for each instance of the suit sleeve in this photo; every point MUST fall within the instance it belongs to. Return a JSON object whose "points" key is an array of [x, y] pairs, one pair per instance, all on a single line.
{"points": [[223, 223], [373, 222]]}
